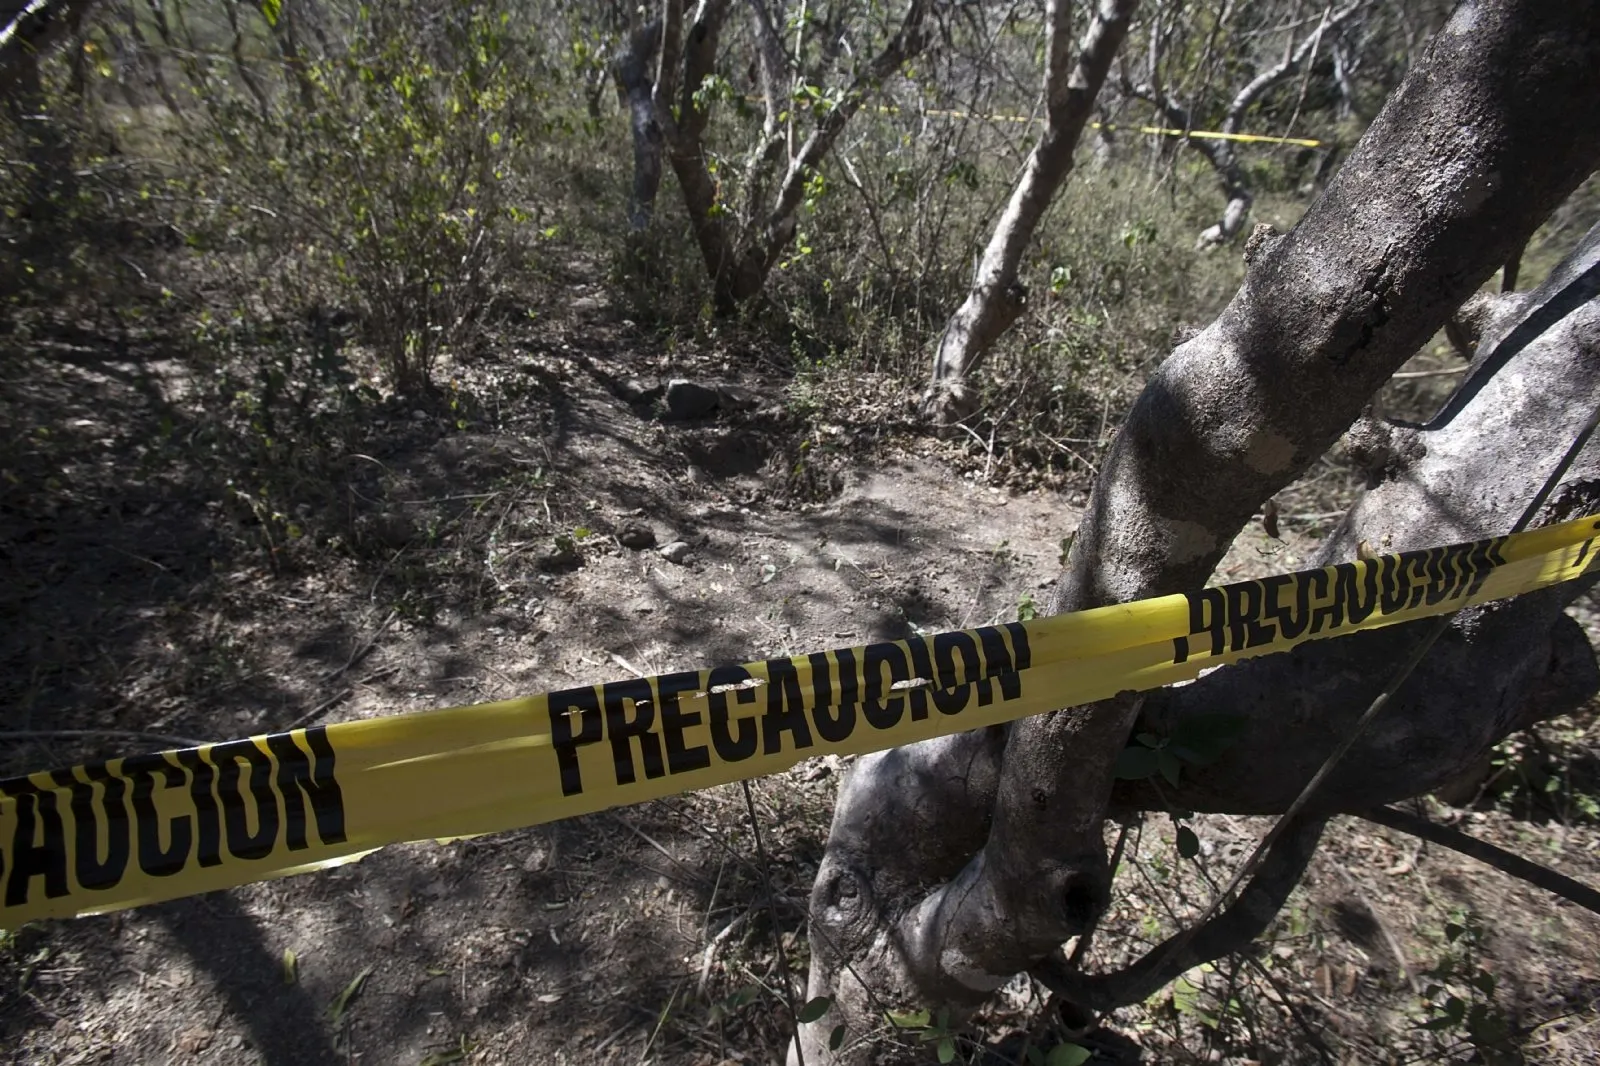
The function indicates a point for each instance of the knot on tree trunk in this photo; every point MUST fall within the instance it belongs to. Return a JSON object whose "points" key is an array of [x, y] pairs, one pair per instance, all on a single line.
{"points": [[1382, 449]]}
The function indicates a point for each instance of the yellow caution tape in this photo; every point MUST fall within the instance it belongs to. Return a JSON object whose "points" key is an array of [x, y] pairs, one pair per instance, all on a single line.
{"points": [[134, 830], [1215, 135], [1159, 131]]}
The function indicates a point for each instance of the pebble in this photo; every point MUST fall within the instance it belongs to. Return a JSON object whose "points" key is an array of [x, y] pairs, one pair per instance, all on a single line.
{"points": [[676, 552]]}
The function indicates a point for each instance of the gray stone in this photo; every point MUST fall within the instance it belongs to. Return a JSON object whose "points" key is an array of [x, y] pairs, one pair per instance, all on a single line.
{"points": [[686, 399], [636, 536], [676, 552]]}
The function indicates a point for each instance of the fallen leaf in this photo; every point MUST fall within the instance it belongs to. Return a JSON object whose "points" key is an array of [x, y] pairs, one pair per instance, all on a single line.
{"points": [[194, 1041], [341, 1002]]}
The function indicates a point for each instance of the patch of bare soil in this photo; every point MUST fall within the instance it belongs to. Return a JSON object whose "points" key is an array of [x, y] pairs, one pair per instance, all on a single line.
{"points": [[546, 523]]}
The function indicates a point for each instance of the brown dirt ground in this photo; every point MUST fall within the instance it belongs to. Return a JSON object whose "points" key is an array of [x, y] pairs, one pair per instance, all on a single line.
{"points": [[132, 602]]}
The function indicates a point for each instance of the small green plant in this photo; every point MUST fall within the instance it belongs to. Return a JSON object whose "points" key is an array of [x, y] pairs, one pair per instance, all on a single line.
{"points": [[1461, 994], [929, 1028], [1027, 609], [732, 1003], [1067, 1054], [1197, 740]]}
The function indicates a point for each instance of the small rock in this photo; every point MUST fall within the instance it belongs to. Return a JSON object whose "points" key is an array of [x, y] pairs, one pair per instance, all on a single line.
{"points": [[676, 552], [419, 416], [558, 560], [636, 536], [685, 399], [635, 391]]}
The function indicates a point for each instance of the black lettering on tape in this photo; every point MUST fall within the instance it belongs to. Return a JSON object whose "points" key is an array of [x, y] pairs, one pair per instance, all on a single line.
{"points": [[839, 725], [1289, 618], [38, 843], [1002, 663], [580, 706], [1395, 584], [1329, 614], [1418, 577], [621, 729], [1486, 562], [1207, 614], [1022, 653], [301, 779], [1460, 568], [1360, 588], [836, 726], [207, 814], [786, 709], [921, 671], [674, 720], [1442, 581], [881, 712], [954, 682], [1246, 604], [728, 747], [98, 823], [153, 858], [242, 843]]}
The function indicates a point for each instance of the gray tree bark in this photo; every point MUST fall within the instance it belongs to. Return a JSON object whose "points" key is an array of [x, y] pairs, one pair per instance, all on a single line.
{"points": [[740, 249], [1469, 154], [637, 88], [997, 296]]}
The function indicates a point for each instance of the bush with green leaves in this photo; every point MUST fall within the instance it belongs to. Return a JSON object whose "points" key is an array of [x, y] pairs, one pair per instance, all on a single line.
{"points": [[380, 172]]}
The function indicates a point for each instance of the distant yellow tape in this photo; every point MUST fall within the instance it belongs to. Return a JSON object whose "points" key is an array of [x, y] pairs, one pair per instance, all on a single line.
{"points": [[1156, 131], [1159, 131], [135, 830]]}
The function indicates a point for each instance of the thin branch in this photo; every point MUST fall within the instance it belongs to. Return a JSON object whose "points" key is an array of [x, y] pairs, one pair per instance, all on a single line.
{"points": [[1485, 852]]}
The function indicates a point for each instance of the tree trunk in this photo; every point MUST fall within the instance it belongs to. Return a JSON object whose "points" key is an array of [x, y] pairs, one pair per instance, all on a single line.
{"points": [[1463, 162], [632, 71], [35, 28], [997, 296], [740, 252], [683, 121]]}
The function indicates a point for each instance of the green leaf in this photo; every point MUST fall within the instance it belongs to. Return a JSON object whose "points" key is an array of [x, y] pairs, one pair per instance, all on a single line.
{"points": [[1135, 764], [909, 1019], [1483, 981], [1149, 740], [836, 1038], [1169, 766], [947, 1050], [341, 1002], [814, 1009], [1185, 996], [1068, 1055], [291, 967], [270, 9], [1188, 842], [1452, 931]]}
